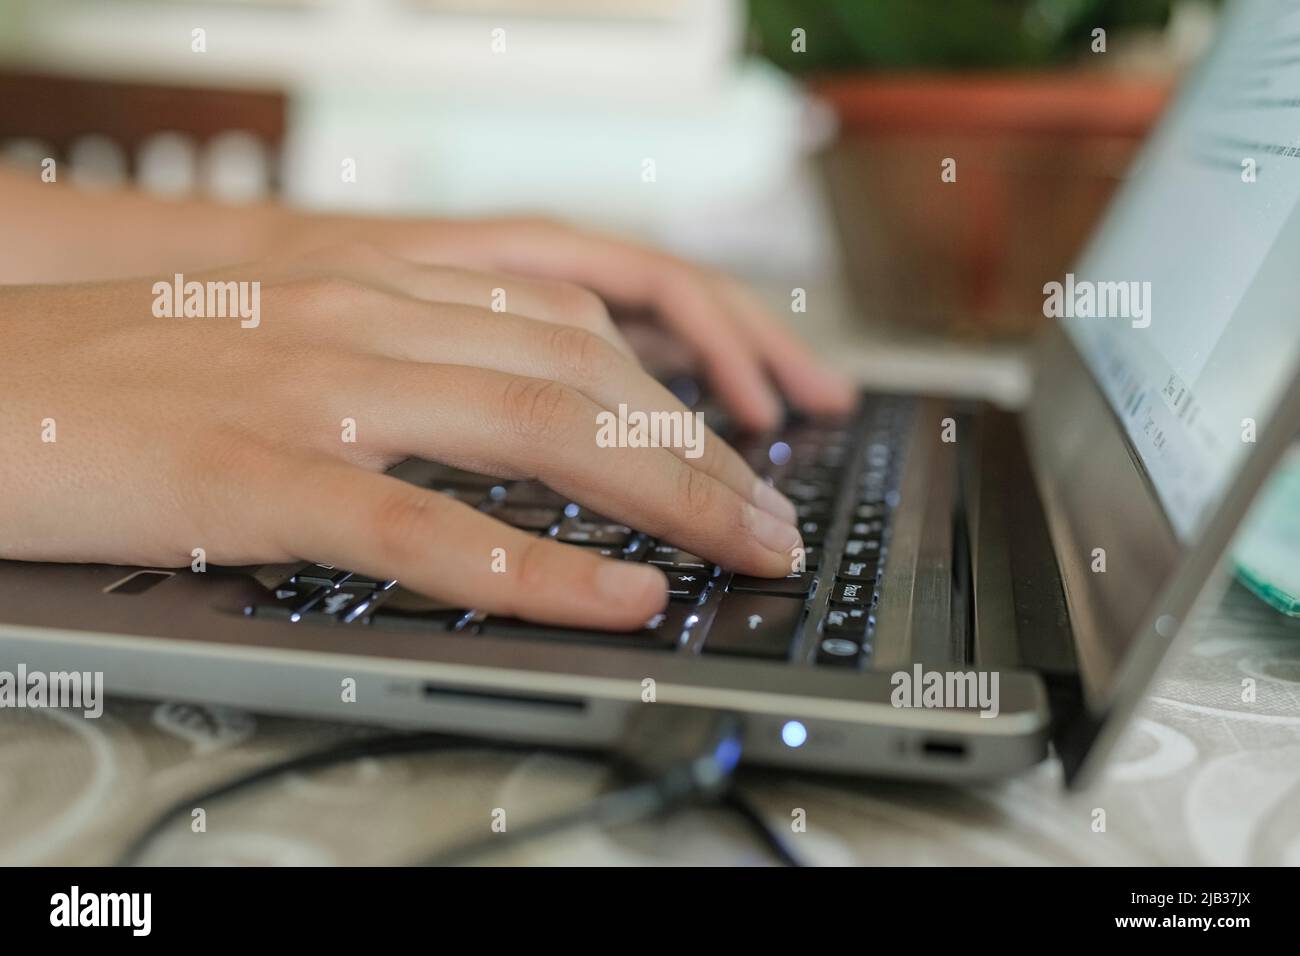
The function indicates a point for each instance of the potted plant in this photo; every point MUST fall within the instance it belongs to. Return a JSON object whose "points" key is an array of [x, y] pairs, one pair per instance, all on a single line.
{"points": [[979, 139]]}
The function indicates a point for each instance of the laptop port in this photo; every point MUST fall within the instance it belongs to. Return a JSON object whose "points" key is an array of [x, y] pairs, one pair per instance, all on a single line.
{"points": [[946, 749], [464, 695]]}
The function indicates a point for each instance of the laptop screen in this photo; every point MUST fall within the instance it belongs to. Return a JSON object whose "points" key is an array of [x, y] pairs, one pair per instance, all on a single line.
{"points": [[1186, 305]]}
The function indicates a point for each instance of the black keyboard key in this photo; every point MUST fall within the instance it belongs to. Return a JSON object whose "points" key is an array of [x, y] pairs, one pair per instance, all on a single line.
{"points": [[411, 611], [864, 549], [667, 555], [852, 569], [792, 585], [851, 622], [437, 474], [343, 604], [798, 490], [599, 534], [686, 585], [813, 532], [825, 480], [851, 594], [636, 549], [526, 518], [868, 529], [289, 603], [811, 559], [579, 513], [817, 510], [868, 512], [364, 581], [534, 494], [754, 625], [832, 457], [323, 575], [839, 652], [662, 632]]}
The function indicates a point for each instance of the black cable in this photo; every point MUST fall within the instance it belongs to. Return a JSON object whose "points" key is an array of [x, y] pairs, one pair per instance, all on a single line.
{"points": [[616, 808], [628, 804], [674, 755], [776, 844], [333, 755]]}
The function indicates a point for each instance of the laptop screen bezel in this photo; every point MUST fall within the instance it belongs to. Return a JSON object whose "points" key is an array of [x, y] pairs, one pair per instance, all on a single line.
{"points": [[1096, 494]]}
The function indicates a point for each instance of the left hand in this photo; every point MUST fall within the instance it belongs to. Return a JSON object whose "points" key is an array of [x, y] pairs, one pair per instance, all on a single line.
{"points": [[747, 353]]}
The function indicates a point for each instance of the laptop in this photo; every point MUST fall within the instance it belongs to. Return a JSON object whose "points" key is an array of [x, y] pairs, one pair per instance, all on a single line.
{"points": [[978, 585]]}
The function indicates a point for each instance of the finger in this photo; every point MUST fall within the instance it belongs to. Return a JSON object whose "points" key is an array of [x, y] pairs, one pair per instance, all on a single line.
{"points": [[449, 551], [506, 425], [546, 300], [627, 274], [572, 356], [807, 381]]}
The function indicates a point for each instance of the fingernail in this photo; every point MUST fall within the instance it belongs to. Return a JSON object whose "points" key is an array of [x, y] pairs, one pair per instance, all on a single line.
{"points": [[773, 502], [772, 533], [618, 581]]}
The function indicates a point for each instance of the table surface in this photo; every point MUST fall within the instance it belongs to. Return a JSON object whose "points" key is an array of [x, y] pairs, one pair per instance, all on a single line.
{"points": [[1201, 777]]}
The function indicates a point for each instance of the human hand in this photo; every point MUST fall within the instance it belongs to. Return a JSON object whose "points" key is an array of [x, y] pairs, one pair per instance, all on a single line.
{"points": [[172, 434], [749, 357]]}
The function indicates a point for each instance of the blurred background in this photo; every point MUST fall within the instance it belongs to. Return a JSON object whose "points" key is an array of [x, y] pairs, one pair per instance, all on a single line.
{"points": [[797, 142]]}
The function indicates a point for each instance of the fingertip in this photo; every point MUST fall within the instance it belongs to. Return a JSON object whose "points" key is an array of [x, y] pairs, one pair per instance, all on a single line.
{"points": [[638, 590], [758, 410], [773, 502], [778, 542], [830, 403], [813, 386], [837, 388], [770, 564], [808, 380]]}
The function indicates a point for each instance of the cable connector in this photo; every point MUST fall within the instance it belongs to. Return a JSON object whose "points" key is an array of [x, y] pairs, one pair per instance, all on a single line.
{"points": [[685, 751]]}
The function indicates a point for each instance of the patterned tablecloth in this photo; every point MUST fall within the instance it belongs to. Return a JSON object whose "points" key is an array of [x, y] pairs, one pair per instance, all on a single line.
{"points": [[1200, 778]]}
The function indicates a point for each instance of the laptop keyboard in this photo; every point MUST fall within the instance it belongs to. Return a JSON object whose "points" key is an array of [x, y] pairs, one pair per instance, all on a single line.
{"points": [[841, 475]]}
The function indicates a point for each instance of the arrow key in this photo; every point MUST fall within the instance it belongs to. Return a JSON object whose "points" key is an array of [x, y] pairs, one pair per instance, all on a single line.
{"points": [[754, 625]]}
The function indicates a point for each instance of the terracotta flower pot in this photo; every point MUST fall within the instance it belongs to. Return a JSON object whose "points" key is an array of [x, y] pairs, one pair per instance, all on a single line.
{"points": [[1036, 157]]}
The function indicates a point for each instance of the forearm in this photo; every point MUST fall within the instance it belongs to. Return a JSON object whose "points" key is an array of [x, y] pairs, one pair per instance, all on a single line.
{"points": [[52, 232]]}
